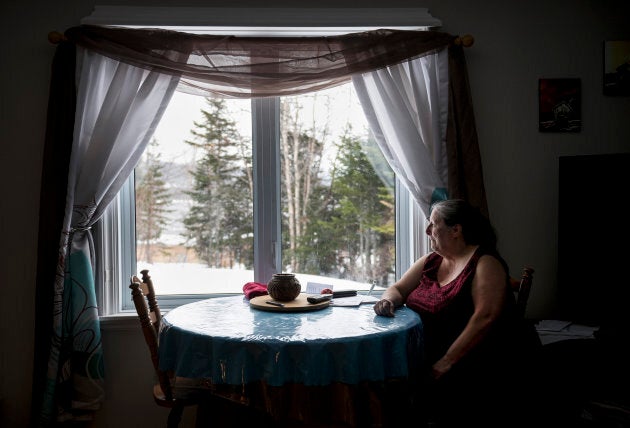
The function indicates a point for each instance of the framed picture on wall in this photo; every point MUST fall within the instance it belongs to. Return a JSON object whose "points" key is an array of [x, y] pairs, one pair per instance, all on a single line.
{"points": [[617, 67], [559, 105]]}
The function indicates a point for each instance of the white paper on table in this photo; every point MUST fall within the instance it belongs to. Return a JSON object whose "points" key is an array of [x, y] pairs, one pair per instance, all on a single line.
{"points": [[353, 300], [316, 287]]}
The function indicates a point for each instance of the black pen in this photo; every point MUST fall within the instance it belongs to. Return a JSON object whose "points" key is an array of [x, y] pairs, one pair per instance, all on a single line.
{"points": [[269, 302]]}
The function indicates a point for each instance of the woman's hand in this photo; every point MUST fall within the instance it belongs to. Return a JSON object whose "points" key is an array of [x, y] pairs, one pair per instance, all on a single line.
{"points": [[385, 307], [440, 368]]}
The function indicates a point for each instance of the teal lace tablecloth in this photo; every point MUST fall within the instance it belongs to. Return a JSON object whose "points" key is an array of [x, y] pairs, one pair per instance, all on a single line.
{"points": [[225, 341]]}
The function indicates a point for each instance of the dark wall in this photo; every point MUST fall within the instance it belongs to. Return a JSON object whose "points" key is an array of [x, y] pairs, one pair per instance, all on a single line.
{"points": [[593, 237]]}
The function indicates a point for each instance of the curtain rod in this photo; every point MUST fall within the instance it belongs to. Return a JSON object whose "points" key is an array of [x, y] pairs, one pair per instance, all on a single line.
{"points": [[55, 37]]}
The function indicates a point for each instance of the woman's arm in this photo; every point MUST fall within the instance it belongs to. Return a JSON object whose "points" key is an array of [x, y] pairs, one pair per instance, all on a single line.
{"points": [[396, 294], [488, 293]]}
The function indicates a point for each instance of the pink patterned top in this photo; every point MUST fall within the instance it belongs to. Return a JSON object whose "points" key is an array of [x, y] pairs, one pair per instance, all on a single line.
{"points": [[445, 310]]}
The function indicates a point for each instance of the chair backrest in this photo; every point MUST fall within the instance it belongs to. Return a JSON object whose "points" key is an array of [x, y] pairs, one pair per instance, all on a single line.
{"points": [[149, 292], [521, 288], [143, 296]]}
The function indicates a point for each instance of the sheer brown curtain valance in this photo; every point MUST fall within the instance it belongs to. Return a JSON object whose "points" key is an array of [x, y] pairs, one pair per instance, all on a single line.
{"points": [[246, 67]]}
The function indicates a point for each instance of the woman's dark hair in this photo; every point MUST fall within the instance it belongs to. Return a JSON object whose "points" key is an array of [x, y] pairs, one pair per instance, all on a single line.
{"points": [[476, 227]]}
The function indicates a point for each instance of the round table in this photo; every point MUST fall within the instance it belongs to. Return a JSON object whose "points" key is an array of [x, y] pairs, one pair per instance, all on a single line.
{"points": [[226, 341]]}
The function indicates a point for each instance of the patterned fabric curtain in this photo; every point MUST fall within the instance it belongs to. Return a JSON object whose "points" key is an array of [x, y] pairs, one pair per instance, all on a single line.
{"points": [[118, 107], [128, 76]]}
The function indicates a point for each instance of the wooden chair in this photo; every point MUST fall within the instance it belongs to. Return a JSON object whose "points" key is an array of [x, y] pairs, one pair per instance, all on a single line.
{"points": [[527, 410], [144, 300], [522, 288]]}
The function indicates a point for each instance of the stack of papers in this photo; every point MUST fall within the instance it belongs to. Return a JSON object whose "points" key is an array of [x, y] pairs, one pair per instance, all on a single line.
{"points": [[551, 331], [552, 325]]}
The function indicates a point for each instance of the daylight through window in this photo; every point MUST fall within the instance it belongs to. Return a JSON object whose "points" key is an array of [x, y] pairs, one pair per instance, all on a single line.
{"points": [[195, 188]]}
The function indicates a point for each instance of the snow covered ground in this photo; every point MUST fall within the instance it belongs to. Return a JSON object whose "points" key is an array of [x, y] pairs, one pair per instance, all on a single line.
{"points": [[192, 278]]}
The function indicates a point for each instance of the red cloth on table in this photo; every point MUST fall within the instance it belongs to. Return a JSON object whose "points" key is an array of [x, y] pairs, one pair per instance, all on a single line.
{"points": [[254, 289]]}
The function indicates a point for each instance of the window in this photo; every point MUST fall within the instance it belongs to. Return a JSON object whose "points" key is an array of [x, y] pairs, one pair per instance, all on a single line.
{"points": [[162, 221], [262, 237]]}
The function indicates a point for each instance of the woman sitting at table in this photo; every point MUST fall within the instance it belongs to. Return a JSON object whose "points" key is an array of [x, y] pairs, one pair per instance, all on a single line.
{"points": [[472, 336]]}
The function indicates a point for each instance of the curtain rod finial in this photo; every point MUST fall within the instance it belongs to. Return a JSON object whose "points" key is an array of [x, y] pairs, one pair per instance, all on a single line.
{"points": [[55, 37], [466, 40]]}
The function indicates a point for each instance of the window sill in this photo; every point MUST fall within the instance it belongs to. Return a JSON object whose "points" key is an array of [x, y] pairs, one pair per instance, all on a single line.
{"points": [[120, 321]]}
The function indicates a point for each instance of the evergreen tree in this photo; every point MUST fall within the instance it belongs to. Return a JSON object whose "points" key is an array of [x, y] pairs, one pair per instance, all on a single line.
{"points": [[220, 219], [357, 229], [152, 198]]}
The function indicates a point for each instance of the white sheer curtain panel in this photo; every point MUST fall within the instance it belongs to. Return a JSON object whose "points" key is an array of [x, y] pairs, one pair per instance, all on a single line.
{"points": [[406, 106], [118, 108]]}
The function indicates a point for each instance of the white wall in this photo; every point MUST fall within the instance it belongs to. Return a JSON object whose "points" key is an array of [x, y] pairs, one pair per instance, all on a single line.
{"points": [[514, 46]]}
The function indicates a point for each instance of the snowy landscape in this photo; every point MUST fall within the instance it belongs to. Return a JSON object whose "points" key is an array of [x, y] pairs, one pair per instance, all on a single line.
{"points": [[193, 278]]}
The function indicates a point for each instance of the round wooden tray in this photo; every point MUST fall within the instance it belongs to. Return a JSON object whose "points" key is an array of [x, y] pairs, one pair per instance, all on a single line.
{"points": [[300, 304]]}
